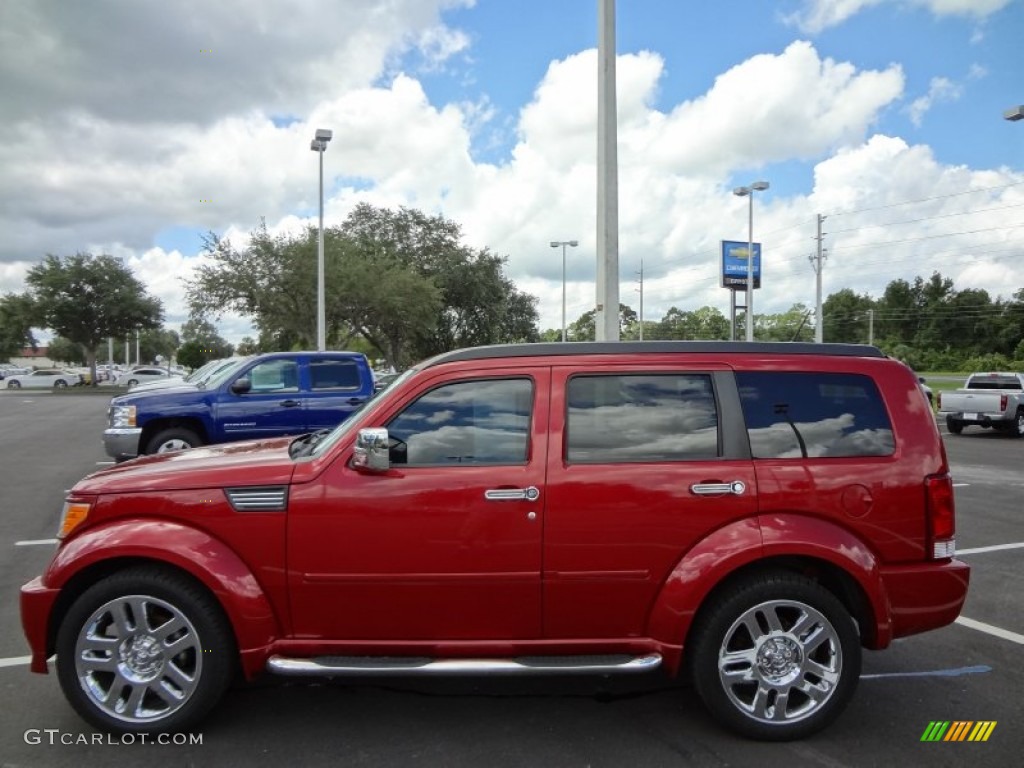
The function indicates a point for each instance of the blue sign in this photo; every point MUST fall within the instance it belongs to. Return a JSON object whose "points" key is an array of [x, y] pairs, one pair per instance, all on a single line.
{"points": [[734, 265]]}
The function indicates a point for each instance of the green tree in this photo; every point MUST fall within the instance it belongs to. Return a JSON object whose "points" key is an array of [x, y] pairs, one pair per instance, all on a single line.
{"points": [[846, 317], [18, 314], [61, 350], [87, 298], [248, 346]]}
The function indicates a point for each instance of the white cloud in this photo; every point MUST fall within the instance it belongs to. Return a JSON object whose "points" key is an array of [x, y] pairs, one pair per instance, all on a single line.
{"points": [[818, 15], [941, 89]]}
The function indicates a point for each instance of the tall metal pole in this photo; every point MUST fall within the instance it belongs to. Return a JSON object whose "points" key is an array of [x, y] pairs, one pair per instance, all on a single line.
{"points": [[321, 314], [819, 323], [563, 290], [750, 266], [641, 299], [607, 314], [138, 359]]}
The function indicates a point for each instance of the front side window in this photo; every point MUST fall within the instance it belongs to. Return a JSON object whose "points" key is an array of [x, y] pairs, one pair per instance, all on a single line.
{"points": [[800, 414], [274, 376], [647, 417], [465, 423]]}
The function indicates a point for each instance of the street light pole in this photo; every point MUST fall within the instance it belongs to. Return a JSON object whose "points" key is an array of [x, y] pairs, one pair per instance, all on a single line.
{"points": [[563, 243], [748, 192], [318, 145]]}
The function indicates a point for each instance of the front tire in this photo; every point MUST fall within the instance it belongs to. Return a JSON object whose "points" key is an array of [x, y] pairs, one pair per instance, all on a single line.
{"points": [[14, 385], [60, 384], [955, 427], [776, 657], [174, 439], [144, 651]]}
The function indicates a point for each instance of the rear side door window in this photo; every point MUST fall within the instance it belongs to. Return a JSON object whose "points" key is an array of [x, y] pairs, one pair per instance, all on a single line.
{"points": [[641, 418], [806, 414]]}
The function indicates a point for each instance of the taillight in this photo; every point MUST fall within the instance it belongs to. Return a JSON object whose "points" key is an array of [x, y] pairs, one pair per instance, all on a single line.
{"points": [[941, 516], [1003, 400]]}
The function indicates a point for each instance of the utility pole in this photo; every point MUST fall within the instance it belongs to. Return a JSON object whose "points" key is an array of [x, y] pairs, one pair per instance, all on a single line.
{"points": [[641, 289], [819, 321], [871, 326]]}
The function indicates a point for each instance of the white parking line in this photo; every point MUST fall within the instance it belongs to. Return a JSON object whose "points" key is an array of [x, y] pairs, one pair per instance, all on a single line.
{"points": [[961, 485], [988, 629], [976, 670], [993, 548], [105, 463], [34, 542], [15, 661]]}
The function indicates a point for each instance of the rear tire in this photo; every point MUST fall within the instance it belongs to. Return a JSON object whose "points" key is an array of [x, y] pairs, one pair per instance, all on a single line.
{"points": [[775, 657], [955, 427], [14, 385], [1016, 428], [144, 651]]}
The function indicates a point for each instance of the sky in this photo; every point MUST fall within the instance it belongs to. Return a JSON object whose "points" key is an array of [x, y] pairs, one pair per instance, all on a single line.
{"points": [[133, 127]]}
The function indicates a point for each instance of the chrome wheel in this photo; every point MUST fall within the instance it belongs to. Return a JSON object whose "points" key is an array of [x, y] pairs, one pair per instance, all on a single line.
{"points": [[780, 661], [14, 385], [774, 655], [145, 650], [1019, 424], [60, 384], [138, 659], [172, 445]]}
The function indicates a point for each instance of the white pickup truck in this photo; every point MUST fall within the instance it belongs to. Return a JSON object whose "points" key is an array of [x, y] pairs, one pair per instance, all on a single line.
{"points": [[994, 400]]}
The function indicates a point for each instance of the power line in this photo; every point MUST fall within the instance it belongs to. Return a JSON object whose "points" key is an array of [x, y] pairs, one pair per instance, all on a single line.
{"points": [[926, 218], [927, 199]]}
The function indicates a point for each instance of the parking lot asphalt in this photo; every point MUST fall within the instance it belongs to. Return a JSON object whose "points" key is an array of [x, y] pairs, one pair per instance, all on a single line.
{"points": [[969, 671]]}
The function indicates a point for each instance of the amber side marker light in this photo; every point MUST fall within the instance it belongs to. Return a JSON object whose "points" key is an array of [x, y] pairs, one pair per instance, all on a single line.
{"points": [[74, 515]]}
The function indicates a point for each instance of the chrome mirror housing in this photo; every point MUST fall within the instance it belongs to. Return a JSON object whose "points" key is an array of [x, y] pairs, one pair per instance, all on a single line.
{"points": [[371, 450]]}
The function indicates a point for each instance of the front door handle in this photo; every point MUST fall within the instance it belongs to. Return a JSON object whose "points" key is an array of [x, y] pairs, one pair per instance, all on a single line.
{"points": [[356, 400], [290, 403], [512, 494], [736, 487]]}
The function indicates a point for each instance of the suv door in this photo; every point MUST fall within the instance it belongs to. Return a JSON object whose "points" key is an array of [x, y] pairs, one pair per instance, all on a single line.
{"points": [[645, 462], [337, 387], [447, 543]]}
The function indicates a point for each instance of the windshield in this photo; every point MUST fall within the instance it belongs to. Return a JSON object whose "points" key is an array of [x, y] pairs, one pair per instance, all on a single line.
{"points": [[356, 419], [218, 376]]}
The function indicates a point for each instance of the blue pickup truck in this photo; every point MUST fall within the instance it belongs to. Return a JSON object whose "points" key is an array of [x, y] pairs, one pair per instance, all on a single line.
{"points": [[271, 395]]}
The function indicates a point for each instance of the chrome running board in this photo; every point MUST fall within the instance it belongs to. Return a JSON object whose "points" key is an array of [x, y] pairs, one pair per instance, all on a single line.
{"points": [[351, 666]]}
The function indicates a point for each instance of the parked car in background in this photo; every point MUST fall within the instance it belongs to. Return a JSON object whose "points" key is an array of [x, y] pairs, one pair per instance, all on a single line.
{"points": [[383, 380], [45, 378], [137, 376], [198, 377], [994, 400], [9, 369], [280, 393], [747, 515]]}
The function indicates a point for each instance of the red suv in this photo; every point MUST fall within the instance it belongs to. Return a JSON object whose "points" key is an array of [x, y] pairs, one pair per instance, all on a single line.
{"points": [[750, 515]]}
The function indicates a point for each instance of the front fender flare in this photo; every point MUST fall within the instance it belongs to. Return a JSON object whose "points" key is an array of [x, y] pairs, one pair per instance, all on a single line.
{"points": [[189, 549]]}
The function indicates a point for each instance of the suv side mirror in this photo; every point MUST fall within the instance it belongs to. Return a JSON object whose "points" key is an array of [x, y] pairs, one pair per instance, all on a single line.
{"points": [[371, 450], [241, 386]]}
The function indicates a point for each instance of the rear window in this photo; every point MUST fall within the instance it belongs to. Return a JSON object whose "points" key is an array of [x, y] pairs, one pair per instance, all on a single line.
{"points": [[994, 381], [799, 415]]}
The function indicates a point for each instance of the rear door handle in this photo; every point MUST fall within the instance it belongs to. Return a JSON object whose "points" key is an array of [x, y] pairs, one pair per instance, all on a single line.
{"points": [[356, 400], [289, 403], [512, 494], [736, 487]]}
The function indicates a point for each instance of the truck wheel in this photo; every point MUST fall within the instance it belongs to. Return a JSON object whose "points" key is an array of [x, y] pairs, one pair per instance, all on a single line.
{"points": [[955, 427], [1017, 428], [777, 657], [143, 651], [173, 439]]}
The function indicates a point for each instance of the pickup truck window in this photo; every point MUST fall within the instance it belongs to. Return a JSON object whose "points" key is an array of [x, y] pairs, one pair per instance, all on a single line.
{"points": [[275, 376], [658, 417], [465, 423], [796, 415], [334, 374], [994, 381]]}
